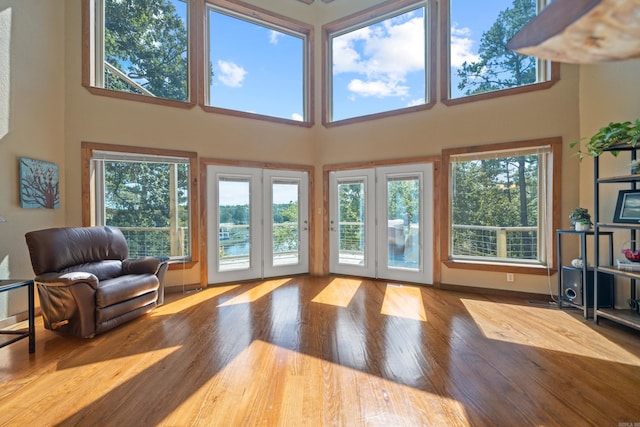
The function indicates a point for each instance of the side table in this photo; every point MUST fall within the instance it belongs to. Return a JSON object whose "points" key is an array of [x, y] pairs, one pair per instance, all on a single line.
{"points": [[7, 285]]}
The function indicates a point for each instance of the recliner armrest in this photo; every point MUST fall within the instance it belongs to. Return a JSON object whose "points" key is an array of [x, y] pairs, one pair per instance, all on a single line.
{"points": [[144, 265], [67, 279]]}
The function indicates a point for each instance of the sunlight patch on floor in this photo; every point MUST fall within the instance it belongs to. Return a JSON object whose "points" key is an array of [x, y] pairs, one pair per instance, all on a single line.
{"points": [[546, 328], [98, 376], [339, 292], [270, 385], [404, 301], [189, 300], [255, 293]]}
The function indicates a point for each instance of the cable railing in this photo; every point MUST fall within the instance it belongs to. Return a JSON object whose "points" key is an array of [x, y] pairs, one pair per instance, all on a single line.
{"points": [[495, 242], [468, 241], [156, 241]]}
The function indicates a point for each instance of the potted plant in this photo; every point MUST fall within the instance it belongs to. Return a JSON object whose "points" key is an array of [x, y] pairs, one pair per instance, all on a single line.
{"points": [[610, 136], [580, 219]]}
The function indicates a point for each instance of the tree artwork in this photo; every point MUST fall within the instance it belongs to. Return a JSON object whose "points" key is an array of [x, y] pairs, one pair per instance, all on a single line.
{"points": [[498, 67], [39, 186]]}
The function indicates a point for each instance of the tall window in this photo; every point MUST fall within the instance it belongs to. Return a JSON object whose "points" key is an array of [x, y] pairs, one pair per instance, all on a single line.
{"points": [[141, 47], [478, 61], [257, 63], [500, 203], [378, 65], [147, 196]]}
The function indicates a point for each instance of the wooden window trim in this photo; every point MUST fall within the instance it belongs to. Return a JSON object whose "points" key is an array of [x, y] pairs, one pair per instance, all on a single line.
{"points": [[553, 174], [88, 184], [372, 14], [445, 72]]}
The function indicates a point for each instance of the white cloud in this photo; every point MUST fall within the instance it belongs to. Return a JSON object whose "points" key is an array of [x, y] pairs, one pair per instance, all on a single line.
{"points": [[461, 46], [231, 74], [377, 88], [384, 54], [274, 36], [414, 102], [297, 117]]}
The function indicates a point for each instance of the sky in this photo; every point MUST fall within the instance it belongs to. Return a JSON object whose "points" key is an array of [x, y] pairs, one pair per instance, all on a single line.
{"points": [[238, 193], [376, 68]]}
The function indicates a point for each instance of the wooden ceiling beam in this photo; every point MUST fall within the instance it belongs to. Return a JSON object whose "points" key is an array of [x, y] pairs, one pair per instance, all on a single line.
{"points": [[582, 32]]}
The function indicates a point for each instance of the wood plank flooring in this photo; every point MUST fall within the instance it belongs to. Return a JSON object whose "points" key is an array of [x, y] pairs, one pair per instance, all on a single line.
{"points": [[330, 351]]}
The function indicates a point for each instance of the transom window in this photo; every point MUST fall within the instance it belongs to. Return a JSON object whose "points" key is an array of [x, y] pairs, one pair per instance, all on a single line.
{"points": [[142, 47], [500, 203], [478, 61], [378, 65], [258, 63]]}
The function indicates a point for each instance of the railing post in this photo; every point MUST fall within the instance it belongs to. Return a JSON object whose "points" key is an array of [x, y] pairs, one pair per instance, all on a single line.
{"points": [[501, 243]]}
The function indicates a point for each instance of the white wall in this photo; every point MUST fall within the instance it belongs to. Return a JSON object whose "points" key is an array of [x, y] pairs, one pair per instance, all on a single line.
{"points": [[31, 122], [608, 93]]}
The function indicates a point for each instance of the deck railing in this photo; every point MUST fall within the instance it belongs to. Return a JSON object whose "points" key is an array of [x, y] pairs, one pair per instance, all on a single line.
{"points": [[156, 241]]}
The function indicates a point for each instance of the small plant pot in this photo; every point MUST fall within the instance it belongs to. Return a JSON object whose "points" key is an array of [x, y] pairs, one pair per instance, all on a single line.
{"points": [[582, 226]]}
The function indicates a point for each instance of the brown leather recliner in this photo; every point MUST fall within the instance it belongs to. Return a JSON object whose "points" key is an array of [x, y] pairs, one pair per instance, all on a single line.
{"points": [[85, 281]]}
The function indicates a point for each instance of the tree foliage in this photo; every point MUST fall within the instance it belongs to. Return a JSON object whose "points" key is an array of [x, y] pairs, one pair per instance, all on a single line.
{"points": [[137, 194], [498, 67], [501, 193], [148, 41]]}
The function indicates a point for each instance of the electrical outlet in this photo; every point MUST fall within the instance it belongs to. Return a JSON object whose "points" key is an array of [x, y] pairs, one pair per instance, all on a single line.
{"points": [[510, 277]]}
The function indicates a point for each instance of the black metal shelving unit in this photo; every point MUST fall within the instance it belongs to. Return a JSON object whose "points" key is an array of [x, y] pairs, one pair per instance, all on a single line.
{"points": [[626, 317]]}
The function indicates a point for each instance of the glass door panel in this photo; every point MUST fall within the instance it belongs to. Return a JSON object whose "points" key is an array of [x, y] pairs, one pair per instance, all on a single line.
{"points": [[287, 232], [285, 224], [234, 224], [352, 222], [403, 222], [405, 218]]}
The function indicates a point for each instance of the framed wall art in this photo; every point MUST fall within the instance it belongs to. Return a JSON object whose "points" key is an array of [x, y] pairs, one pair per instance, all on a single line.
{"points": [[628, 207], [39, 184]]}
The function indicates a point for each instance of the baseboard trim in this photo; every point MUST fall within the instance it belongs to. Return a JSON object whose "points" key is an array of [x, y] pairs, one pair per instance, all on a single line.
{"points": [[494, 292]]}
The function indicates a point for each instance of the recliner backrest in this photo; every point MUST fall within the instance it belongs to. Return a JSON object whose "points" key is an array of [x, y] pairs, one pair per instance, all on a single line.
{"points": [[56, 249]]}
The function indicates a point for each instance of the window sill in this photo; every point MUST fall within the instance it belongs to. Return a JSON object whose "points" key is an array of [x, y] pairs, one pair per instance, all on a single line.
{"points": [[139, 98], [501, 267], [180, 265]]}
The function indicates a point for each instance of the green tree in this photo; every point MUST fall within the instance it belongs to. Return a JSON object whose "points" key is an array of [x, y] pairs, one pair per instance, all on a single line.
{"points": [[500, 192], [498, 67], [285, 231], [147, 40], [351, 206], [137, 195]]}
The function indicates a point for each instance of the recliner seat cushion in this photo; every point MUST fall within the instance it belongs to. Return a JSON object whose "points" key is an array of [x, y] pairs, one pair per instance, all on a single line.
{"points": [[114, 291]]}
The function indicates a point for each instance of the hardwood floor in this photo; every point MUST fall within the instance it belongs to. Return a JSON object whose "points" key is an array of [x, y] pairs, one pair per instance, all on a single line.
{"points": [[330, 351]]}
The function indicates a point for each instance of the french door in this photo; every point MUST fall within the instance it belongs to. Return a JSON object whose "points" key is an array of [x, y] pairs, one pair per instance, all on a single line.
{"points": [[381, 222], [257, 223]]}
